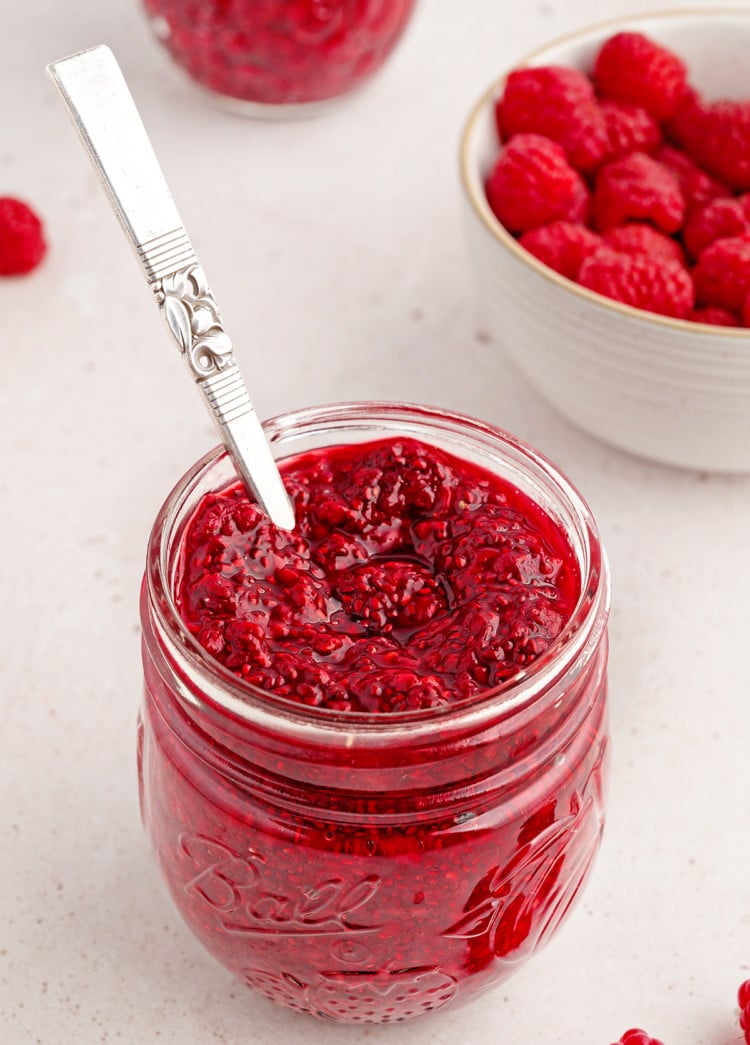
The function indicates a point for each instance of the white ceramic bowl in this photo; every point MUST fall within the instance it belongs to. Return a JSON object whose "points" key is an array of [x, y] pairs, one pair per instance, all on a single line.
{"points": [[665, 389]]}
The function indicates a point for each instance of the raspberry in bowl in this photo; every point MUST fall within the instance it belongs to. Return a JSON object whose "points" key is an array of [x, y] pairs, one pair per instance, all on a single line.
{"points": [[279, 57], [372, 753], [606, 185]]}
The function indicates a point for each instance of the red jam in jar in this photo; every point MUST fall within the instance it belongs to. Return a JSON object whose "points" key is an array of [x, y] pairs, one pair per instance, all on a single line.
{"points": [[372, 752], [279, 52]]}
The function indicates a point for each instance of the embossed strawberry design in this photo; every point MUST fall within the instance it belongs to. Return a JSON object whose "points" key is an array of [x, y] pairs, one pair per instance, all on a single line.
{"points": [[382, 997]]}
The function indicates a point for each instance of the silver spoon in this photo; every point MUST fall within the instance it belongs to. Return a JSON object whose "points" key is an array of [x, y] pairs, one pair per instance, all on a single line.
{"points": [[104, 114]]}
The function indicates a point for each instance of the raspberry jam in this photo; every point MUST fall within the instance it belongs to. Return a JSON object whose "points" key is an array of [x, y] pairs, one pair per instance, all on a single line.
{"points": [[279, 52], [412, 580], [372, 753]]}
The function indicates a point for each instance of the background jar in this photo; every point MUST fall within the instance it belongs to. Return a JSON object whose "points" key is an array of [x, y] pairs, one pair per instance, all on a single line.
{"points": [[264, 56], [370, 868]]}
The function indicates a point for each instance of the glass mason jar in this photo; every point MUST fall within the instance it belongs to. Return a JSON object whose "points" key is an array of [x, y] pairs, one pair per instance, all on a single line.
{"points": [[374, 867], [260, 56]]}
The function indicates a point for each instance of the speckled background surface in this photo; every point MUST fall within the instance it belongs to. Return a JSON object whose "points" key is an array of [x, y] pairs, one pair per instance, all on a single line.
{"points": [[335, 248]]}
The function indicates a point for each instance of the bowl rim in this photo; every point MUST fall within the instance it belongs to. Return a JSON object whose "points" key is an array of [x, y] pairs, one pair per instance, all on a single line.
{"points": [[473, 189]]}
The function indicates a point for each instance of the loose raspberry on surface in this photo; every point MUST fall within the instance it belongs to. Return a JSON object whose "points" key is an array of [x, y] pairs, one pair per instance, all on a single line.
{"points": [[697, 185], [562, 246], [722, 275], [743, 998], [22, 244], [533, 184], [719, 219], [717, 136], [714, 316], [638, 238], [629, 129], [637, 1037], [560, 104], [638, 187], [632, 68], [652, 284]]}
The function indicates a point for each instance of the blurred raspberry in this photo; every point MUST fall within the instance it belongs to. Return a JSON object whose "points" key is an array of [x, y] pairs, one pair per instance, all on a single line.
{"points": [[746, 312], [722, 275], [632, 68], [561, 246], [637, 1037], [644, 282], [22, 244], [559, 104], [743, 997], [634, 187], [629, 129], [719, 219], [713, 315], [644, 239], [717, 136], [697, 185], [533, 184]]}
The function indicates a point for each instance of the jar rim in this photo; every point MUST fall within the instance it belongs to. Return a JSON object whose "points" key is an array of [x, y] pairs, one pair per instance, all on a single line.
{"points": [[208, 685]]}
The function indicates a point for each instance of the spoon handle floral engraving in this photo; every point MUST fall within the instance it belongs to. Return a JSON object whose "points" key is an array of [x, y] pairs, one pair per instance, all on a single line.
{"points": [[107, 121]]}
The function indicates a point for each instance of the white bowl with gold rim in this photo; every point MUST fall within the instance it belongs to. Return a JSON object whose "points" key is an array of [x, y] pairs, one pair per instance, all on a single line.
{"points": [[669, 390]]}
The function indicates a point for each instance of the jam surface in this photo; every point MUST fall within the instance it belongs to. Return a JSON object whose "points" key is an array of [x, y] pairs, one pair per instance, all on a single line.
{"points": [[280, 51], [413, 580]]}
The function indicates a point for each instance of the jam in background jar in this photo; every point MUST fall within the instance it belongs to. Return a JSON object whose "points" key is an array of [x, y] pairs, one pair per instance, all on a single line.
{"points": [[373, 866], [257, 53]]}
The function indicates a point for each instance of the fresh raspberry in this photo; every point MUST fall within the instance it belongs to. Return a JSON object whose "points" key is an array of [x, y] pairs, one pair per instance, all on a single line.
{"points": [[533, 184], [559, 104], [717, 136], [697, 185], [22, 244], [743, 997], [561, 246], [629, 129], [714, 316], [719, 219], [644, 239], [637, 1037], [638, 187], [745, 1023], [722, 275], [644, 282], [632, 68]]}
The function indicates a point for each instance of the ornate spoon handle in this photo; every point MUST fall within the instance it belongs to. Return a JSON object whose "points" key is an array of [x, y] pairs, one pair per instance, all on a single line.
{"points": [[104, 114]]}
